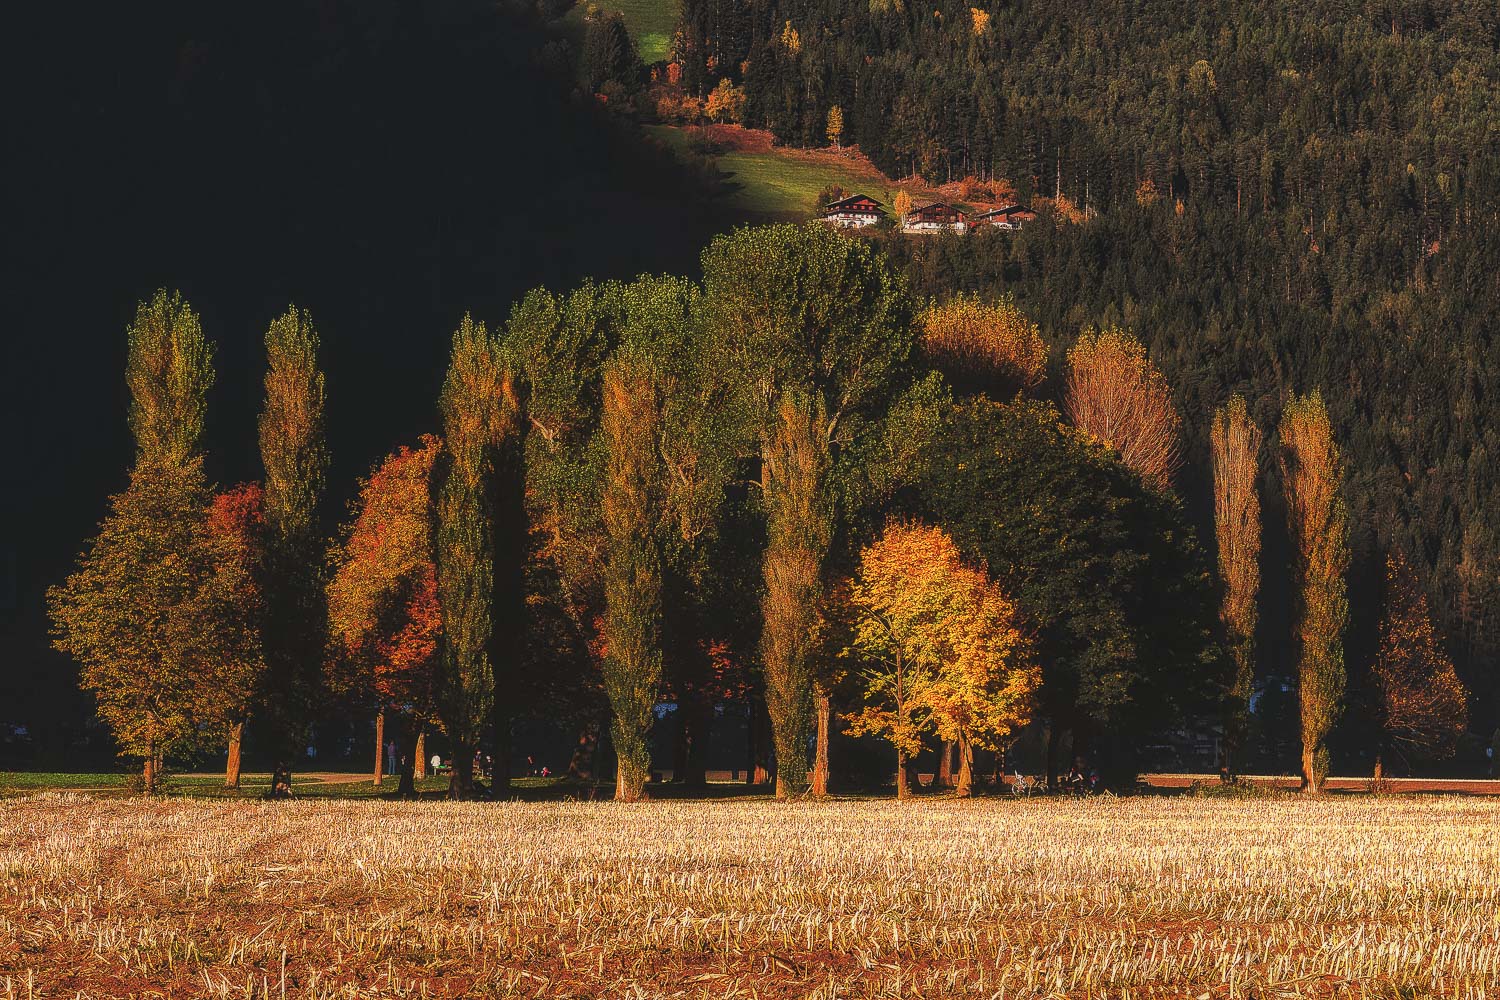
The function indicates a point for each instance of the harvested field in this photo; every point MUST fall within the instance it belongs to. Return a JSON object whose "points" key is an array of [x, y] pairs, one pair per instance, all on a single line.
{"points": [[939, 898]]}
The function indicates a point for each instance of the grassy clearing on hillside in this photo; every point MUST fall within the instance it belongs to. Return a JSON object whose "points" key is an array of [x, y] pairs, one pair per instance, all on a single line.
{"points": [[780, 183], [1149, 897], [650, 22]]}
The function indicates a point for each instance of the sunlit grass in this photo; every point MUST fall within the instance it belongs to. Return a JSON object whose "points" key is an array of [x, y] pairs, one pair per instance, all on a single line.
{"points": [[939, 898]]}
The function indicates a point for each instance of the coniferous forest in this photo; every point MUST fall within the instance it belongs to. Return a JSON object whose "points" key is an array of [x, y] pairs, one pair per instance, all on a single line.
{"points": [[1276, 198]]}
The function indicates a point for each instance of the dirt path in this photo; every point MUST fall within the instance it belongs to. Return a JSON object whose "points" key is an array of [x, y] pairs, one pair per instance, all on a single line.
{"points": [[1464, 786]]}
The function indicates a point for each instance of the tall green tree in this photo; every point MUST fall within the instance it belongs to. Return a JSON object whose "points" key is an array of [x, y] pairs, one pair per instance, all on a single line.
{"points": [[1318, 522], [294, 455], [631, 511], [1104, 568], [169, 370], [821, 334], [479, 417]]}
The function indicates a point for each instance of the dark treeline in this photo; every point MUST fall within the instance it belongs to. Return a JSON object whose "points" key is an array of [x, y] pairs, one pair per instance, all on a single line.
{"points": [[1275, 197], [382, 164]]}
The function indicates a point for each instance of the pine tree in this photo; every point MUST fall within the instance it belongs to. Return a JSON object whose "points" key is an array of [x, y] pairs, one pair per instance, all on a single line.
{"points": [[1318, 524], [295, 459], [1236, 464], [479, 418]]}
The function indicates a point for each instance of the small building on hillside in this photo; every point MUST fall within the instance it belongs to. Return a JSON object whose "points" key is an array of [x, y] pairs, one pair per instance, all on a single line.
{"points": [[934, 217], [1011, 217], [853, 212]]}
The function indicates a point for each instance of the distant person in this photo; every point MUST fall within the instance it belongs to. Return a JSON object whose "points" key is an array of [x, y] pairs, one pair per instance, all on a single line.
{"points": [[390, 756], [546, 773], [1074, 781], [437, 763]]}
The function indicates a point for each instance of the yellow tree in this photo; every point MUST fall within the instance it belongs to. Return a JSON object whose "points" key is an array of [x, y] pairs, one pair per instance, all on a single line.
{"points": [[1317, 521], [725, 103], [836, 125], [942, 649], [902, 204], [1116, 394], [1236, 461], [1423, 704], [987, 347]]}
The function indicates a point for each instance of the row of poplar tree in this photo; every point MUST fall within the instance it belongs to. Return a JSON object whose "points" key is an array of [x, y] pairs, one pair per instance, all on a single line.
{"points": [[788, 484]]}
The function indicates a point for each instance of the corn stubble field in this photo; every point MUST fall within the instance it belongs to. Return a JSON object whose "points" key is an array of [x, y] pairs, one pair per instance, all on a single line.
{"points": [[1098, 898]]}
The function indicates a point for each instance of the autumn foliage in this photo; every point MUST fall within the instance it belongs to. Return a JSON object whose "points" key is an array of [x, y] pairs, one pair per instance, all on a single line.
{"points": [[1118, 396], [1318, 522], [942, 649], [1236, 464], [382, 599], [993, 348], [1423, 704]]}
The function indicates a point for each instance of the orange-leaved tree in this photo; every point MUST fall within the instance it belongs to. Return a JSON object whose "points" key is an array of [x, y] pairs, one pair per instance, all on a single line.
{"points": [[941, 648], [236, 518], [1318, 522], [992, 348], [1423, 705], [1118, 396], [383, 612]]}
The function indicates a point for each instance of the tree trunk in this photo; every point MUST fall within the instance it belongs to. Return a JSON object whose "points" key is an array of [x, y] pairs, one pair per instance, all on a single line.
{"points": [[1311, 783], [965, 765], [148, 774], [408, 741], [629, 785], [232, 765], [419, 760], [461, 777], [1054, 749], [751, 750], [820, 754], [1379, 772], [379, 747], [903, 784], [944, 776]]}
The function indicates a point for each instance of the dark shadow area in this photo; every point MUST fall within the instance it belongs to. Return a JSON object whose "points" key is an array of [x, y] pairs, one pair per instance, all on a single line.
{"points": [[388, 165]]}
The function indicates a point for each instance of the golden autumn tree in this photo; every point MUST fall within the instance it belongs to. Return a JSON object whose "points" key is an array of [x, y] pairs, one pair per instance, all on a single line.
{"points": [[1317, 520], [1114, 393], [1423, 705], [383, 612], [902, 204], [725, 103], [992, 348], [942, 648], [1236, 442], [835, 128]]}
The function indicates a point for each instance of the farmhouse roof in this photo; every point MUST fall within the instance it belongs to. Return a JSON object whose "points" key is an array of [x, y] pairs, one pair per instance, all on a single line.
{"points": [[850, 201]]}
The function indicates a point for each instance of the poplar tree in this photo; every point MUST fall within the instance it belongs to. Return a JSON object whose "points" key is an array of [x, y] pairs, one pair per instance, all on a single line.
{"points": [[631, 508], [295, 458], [1236, 463], [169, 370], [479, 418], [1318, 524], [821, 334]]}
